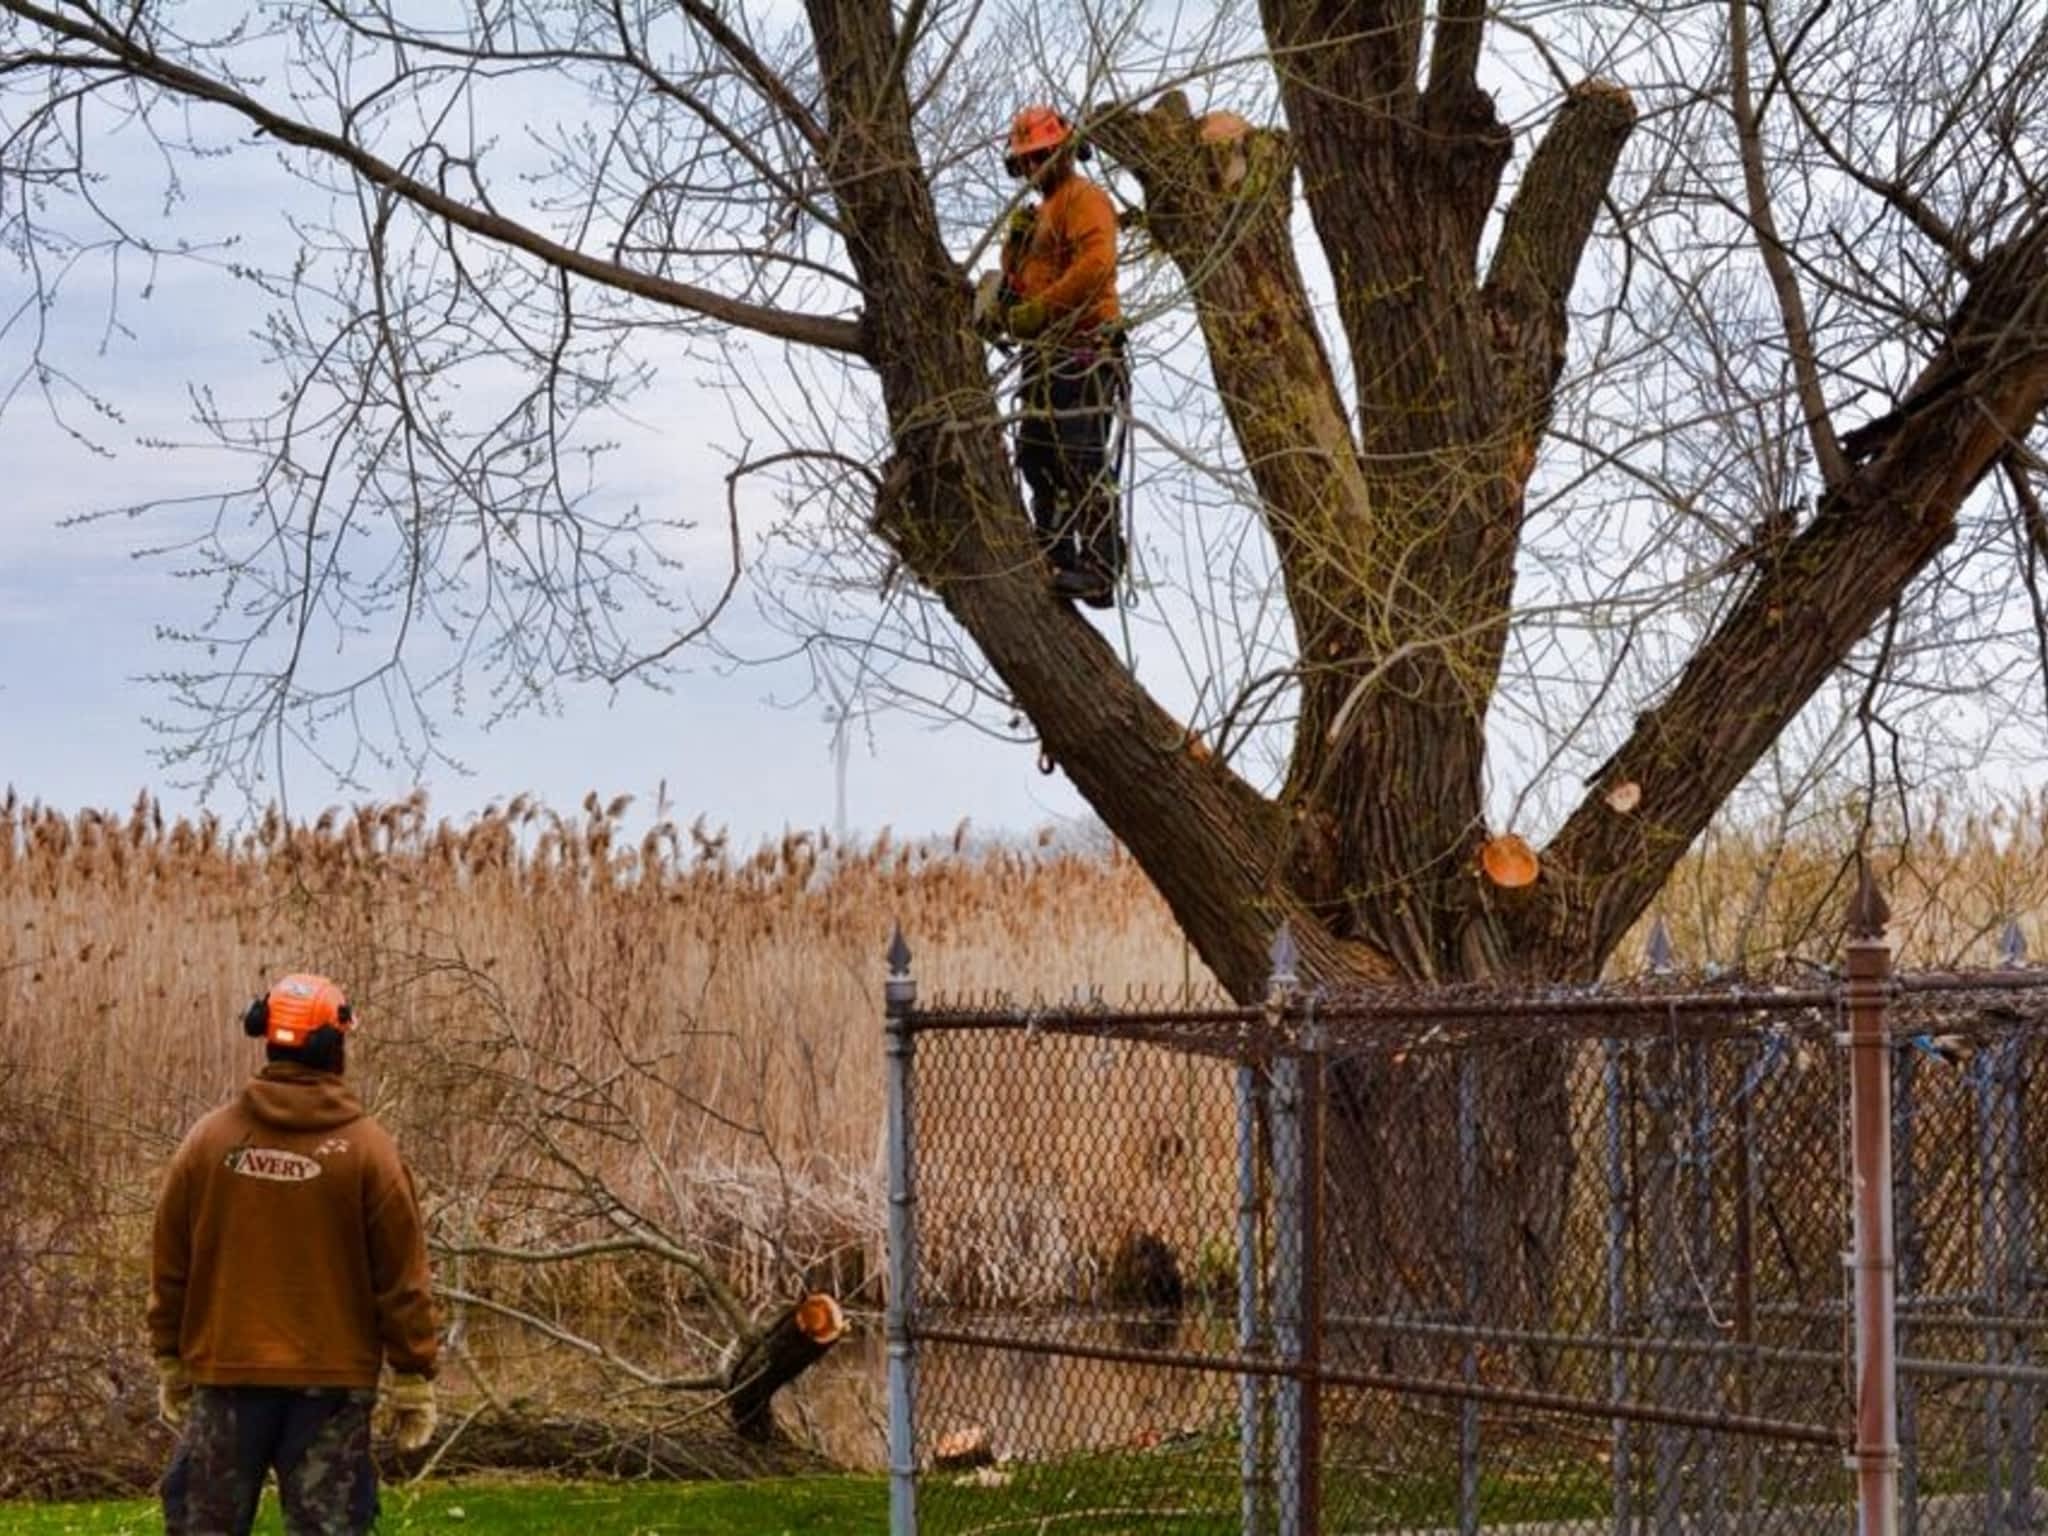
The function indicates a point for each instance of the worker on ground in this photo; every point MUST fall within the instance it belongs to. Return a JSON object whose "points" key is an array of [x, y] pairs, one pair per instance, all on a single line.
{"points": [[289, 1266], [1057, 295]]}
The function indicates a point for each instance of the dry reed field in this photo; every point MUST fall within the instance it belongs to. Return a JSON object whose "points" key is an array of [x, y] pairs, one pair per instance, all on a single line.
{"points": [[662, 1045], [657, 1042]]}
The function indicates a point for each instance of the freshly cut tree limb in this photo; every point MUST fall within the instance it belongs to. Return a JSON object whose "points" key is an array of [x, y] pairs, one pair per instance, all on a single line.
{"points": [[1220, 207], [131, 55], [773, 1356], [1983, 391]]}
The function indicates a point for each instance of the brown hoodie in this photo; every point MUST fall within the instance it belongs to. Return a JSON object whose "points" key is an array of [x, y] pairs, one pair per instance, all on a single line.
{"points": [[288, 1248]]}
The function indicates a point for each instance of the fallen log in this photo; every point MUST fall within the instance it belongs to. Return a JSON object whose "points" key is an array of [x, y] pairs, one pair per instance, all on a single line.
{"points": [[775, 1356], [528, 1439]]}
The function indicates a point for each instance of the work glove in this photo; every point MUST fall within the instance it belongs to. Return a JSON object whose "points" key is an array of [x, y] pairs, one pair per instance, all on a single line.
{"points": [[173, 1391], [405, 1411], [1028, 320], [1022, 221]]}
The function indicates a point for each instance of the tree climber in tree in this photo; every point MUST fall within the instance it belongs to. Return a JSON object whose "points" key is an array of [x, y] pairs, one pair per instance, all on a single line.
{"points": [[1056, 294]]}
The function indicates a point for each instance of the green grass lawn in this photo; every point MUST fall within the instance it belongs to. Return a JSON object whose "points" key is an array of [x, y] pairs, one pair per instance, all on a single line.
{"points": [[1190, 1489], [817, 1506]]}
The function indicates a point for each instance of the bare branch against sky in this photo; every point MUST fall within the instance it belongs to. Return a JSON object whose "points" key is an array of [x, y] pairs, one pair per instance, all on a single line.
{"points": [[1550, 420]]}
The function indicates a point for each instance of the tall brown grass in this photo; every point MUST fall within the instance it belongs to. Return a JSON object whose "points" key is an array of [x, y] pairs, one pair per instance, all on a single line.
{"points": [[698, 1024], [133, 942]]}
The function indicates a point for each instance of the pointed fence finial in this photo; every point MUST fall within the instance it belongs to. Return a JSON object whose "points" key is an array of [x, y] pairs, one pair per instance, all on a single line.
{"points": [[1285, 956], [1868, 913], [2012, 945], [1662, 957], [900, 991]]}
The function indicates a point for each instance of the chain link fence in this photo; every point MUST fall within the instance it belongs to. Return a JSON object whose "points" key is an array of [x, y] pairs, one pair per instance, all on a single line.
{"points": [[1564, 1260]]}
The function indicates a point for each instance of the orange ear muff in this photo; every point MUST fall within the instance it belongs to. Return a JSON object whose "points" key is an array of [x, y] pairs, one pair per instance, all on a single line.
{"points": [[256, 1021]]}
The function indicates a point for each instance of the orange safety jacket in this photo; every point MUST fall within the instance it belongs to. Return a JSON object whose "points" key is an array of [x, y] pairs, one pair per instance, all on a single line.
{"points": [[1068, 262]]}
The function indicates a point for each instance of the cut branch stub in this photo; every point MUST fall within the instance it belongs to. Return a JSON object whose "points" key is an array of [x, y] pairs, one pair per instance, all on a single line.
{"points": [[775, 1356], [1509, 862]]}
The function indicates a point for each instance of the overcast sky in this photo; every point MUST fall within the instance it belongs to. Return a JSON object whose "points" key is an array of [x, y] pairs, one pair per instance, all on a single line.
{"points": [[78, 622], [81, 608]]}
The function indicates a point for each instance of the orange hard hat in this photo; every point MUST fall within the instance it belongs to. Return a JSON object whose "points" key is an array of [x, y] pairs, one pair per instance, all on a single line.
{"points": [[1036, 130], [296, 1007]]}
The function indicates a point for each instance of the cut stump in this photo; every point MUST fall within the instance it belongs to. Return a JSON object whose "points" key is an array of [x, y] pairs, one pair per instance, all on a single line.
{"points": [[960, 1450], [775, 1356]]}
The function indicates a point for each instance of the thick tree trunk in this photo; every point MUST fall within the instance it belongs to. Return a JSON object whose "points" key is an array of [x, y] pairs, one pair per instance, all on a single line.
{"points": [[1398, 552], [1397, 536]]}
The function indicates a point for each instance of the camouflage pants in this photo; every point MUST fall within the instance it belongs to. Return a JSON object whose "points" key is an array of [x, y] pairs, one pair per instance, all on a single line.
{"points": [[316, 1440]]}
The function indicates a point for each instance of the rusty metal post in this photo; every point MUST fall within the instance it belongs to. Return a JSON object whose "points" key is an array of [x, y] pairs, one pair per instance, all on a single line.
{"points": [[1876, 1454], [900, 998], [1906, 1215]]}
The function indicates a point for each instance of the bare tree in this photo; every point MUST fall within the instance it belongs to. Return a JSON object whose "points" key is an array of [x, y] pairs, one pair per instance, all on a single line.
{"points": [[1779, 440]]}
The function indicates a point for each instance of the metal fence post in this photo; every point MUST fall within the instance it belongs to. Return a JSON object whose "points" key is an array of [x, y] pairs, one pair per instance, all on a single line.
{"points": [[1288, 1268], [1876, 1456], [2022, 1422], [1747, 1173], [1699, 1080], [1251, 1387], [1991, 1275], [1617, 1279], [1671, 1287], [900, 998], [1905, 1201], [1314, 1239], [1469, 1264]]}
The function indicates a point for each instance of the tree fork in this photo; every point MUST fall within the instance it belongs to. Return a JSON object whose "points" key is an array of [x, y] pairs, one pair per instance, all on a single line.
{"points": [[1208, 840]]}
